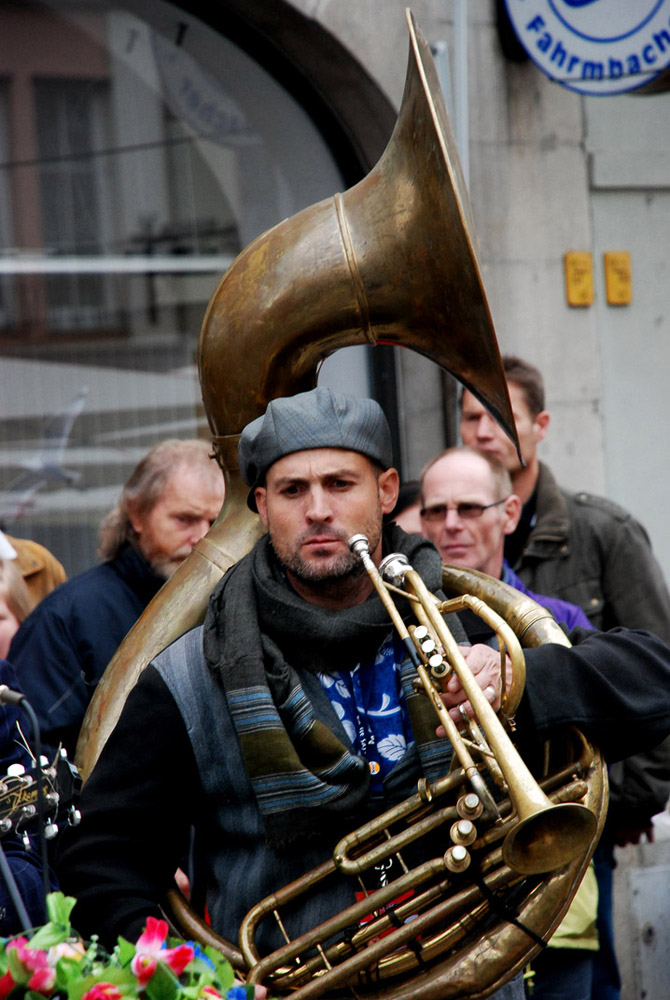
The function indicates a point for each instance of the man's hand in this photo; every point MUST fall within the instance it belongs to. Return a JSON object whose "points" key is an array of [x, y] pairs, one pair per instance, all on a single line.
{"points": [[484, 662]]}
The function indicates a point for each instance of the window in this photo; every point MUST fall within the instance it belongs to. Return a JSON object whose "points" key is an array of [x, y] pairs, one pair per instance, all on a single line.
{"points": [[137, 158]]}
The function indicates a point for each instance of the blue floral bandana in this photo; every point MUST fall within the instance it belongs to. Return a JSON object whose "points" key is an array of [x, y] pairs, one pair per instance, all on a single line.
{"points": [[371, 706]]}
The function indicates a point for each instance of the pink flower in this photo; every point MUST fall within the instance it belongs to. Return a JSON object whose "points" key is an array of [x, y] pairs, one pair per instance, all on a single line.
{"points": [[150, 949], [36, 973], [102, 991], [7, 984], [143, 966]]}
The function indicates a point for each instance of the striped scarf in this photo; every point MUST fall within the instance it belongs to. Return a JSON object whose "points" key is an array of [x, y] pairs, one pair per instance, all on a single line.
{"points": [[266, 643]]}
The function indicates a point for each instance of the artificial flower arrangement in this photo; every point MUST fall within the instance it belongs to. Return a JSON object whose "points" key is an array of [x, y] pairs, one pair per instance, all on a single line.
{"points": [[56, 963]]}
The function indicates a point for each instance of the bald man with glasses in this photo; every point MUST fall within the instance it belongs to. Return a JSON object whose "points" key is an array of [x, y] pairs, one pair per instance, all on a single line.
{"points": [[468, 509]]}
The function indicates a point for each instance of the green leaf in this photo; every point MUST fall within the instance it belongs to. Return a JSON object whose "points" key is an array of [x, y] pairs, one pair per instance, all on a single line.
{"points": [[121, 978], [125, 950], [225, 973], [213, 954], [58, 929], [49, 935], [59, 908], [190, 992], [15, 966], [163, 985], [67, 969]]}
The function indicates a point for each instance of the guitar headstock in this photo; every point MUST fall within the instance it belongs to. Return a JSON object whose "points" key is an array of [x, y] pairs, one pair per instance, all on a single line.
{"points": [[19, 797]]}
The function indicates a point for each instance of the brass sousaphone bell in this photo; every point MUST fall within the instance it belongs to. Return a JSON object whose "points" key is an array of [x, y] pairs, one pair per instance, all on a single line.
{"points": [[389, 261]]}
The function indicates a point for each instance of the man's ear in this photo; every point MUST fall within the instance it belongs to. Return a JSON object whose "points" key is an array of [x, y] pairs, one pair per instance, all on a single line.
{"points": [[512, 510], [542, 424], [389, 484], [136, 520], [261, 498]]}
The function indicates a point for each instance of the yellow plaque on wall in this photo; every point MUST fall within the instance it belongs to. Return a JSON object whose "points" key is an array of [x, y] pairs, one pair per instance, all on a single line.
{"points": [[618, 278], [578, 277]]}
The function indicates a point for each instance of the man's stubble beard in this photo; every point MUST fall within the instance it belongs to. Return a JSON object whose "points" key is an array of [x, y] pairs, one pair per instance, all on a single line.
{"points": [[342, 573], [165, 567], [344, 567]]}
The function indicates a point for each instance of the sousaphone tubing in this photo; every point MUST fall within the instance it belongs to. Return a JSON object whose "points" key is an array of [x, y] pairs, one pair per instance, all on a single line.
{"points": [[390, 261]]}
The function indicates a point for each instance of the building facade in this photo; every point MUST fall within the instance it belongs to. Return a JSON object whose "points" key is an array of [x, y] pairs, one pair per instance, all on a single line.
{"points": [[144, 144]]}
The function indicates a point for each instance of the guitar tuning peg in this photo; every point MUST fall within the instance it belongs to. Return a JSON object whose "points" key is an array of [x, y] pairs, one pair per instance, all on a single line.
{"points": [[14, 770], [26, 841], [44, 761], [74, 817], [50, 831]]}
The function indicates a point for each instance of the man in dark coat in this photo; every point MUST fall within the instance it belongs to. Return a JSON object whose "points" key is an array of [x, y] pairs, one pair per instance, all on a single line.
{"points": [[292, 715], [61, 650], [588, 550]]}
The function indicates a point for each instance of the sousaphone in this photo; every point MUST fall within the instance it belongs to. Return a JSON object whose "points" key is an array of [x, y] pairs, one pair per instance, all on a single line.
{"points": [[390, 261]]}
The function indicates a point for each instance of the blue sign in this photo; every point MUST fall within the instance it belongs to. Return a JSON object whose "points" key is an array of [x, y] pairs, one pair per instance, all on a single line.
{"points": [[595, 46]]}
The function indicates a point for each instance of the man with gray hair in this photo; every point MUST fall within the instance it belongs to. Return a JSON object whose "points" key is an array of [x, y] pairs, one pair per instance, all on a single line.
{"points": [[61, 650], [291, 715]]}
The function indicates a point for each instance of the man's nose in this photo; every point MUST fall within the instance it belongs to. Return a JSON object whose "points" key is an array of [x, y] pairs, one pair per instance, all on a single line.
{"points": [[318, 505], [486, 427], [452, 520], [199, 530]]}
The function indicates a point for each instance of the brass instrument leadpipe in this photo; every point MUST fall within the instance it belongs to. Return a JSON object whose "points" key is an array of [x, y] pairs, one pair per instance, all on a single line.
{"points": [[360, 546]]}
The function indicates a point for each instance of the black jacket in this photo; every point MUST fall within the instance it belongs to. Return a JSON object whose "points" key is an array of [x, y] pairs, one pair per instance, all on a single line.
{"points": [[62, 648], [590, 551]]}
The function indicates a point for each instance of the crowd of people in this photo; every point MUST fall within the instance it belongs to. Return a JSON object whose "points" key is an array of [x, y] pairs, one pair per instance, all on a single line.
{"points": [[267, 717]]}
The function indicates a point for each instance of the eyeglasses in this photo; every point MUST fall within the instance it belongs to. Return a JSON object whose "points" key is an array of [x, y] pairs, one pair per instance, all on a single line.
{"points": [[466, 511]]}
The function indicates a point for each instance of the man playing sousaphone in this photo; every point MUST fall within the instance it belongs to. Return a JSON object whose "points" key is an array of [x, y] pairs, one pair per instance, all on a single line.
{"points": [[291, 716]]}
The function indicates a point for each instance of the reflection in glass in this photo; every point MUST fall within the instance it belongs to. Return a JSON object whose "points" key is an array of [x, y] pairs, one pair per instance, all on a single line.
{"points": [[136, 159]]}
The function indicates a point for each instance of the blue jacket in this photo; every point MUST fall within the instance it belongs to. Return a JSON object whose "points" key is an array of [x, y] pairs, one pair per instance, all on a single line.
{"points": [[62, 648]]}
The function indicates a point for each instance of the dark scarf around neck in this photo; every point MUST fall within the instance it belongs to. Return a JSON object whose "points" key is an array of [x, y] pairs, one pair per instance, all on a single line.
{"points": [[258, 635]]}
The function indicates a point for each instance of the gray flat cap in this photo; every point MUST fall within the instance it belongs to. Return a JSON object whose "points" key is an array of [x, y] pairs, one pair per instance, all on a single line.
{"points": [[320, 418]]}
